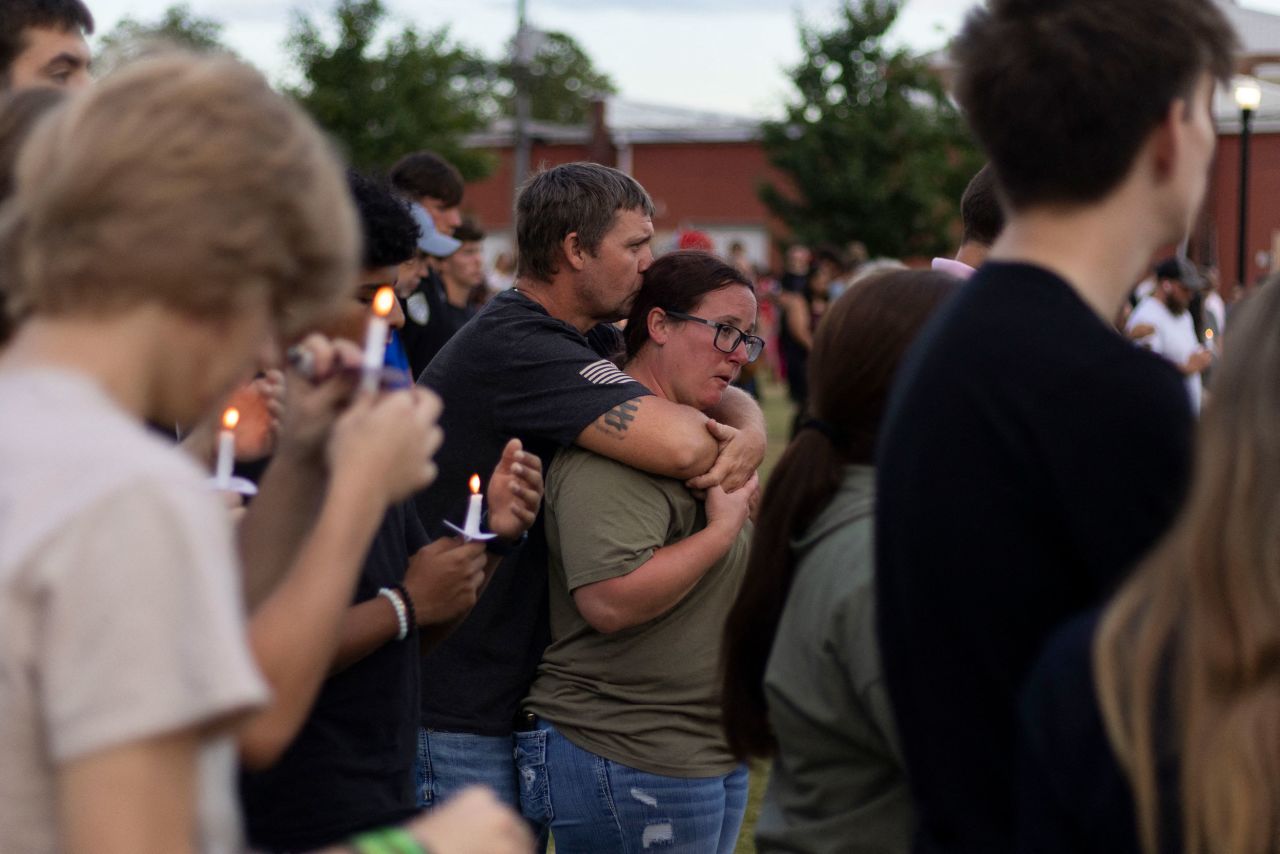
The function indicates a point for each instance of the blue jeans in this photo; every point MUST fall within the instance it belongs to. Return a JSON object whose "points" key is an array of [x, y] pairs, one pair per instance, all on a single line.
{"points": [[451, 761], [597, 806]]}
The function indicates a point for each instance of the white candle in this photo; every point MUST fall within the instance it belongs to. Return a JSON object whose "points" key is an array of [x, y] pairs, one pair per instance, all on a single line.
{"points": [[474, 508], [375, 339], [226, 448]]}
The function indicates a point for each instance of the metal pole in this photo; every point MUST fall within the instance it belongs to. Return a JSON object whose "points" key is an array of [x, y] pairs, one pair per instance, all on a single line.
{"points": [[1242, 269], [523, 60]]}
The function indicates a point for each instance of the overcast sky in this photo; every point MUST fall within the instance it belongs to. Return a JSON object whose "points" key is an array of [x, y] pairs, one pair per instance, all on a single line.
{"points": [[725, 55]]}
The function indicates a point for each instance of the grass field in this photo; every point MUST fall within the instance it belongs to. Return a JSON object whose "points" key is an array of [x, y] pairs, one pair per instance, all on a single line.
{"points": [[777, 414]]}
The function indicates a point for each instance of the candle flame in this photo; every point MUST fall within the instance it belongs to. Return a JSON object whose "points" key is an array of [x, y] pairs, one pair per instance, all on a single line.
{"points": [[1208, 333], [383, 300], [475, 484], [231, 418]]}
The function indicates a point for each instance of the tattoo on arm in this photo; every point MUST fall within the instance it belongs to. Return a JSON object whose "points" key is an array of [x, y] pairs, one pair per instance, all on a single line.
{"points": [[616, 421]]}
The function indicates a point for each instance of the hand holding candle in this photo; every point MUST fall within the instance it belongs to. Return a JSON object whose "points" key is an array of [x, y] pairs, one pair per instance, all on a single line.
{"points": [[375, 340]]}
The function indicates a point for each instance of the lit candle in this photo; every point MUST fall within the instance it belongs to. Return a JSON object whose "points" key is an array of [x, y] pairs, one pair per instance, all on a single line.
{"points": [[375, 340], [470, 530], [475, 507], [1208, 338], [226, 448]]}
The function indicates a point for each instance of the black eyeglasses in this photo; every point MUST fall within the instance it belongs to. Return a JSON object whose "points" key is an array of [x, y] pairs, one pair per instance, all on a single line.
{"points": [[727, 337]]}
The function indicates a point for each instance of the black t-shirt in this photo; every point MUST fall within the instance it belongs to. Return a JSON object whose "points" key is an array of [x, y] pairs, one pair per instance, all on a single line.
{"points": [[1072, 794], [1029, 456], [513, 371], [430, 320], [351, 766]]}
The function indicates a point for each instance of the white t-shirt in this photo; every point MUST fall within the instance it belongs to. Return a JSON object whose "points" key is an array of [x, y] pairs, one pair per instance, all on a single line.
{"points": [[1215, 313], [121, 615], [1174, 338]]}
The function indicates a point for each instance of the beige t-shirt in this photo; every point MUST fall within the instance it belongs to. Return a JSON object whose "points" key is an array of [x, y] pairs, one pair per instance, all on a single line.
{"points": [[121, 615], [648, 696]]}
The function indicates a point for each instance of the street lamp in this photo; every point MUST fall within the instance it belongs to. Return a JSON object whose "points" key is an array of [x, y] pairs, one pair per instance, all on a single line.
{"points": [[1248, 97]]}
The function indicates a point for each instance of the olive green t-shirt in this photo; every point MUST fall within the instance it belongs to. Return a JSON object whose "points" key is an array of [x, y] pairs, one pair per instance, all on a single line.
{"points": [[647, 696]]}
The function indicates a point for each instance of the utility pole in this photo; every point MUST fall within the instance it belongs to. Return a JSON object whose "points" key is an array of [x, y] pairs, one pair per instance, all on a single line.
{"points": [[523, 59]]}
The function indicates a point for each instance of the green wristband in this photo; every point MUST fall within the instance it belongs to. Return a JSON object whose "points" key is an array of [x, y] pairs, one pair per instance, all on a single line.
{"points": [[390, 840]]}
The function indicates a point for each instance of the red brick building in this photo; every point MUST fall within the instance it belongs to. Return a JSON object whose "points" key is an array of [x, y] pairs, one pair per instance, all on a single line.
{"points": [[703, 169]]}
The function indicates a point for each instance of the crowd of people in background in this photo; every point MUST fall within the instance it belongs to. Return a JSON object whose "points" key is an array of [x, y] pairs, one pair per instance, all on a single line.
{"points": [[316, 535]]}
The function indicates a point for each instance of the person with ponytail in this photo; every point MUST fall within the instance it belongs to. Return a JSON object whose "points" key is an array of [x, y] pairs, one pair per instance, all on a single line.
{"points": [[802, 676], [1154, 725]]}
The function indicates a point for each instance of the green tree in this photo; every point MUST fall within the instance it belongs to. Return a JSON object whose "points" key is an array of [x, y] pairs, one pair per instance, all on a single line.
{"points": [[874, 149], [561, 79], [178, 26], [415, 91]]}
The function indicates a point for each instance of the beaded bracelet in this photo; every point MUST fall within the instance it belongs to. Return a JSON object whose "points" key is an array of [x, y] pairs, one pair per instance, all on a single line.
{"points": [[401, 618], [390, 840], [408, 604]]}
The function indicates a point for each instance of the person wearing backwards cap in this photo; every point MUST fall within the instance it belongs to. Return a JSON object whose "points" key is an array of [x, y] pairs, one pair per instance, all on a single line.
{"points": [[1174, 334], [435, 187]]}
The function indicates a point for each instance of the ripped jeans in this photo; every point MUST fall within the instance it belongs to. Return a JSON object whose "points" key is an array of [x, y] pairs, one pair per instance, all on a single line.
{"points": [[597, 806]]}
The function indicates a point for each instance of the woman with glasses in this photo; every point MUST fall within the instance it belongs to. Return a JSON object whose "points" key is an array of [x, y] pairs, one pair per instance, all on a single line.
{"points": [[642, 573]]}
